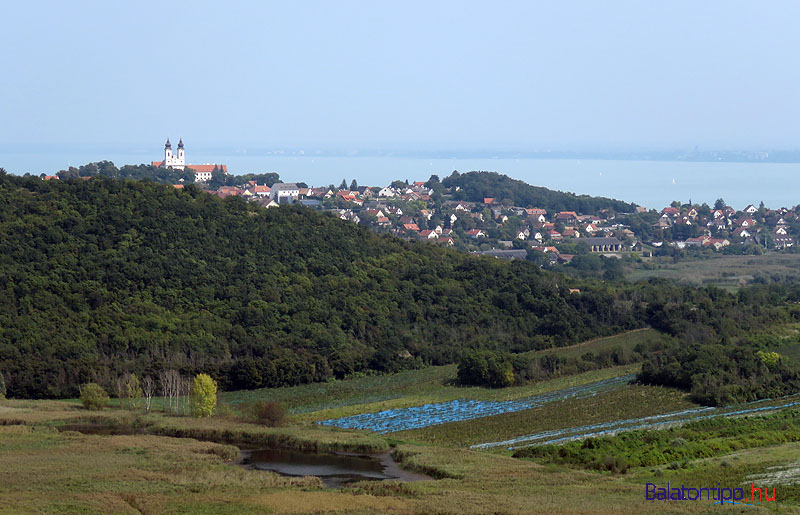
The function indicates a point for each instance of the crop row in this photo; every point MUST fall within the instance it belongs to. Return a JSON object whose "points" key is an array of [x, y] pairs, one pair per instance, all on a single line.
{"points": [[466, 409], [651, 422]]}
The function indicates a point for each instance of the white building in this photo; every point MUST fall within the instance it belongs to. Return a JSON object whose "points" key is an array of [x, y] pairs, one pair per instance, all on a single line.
{"points": [[202, 173], [286, 192], [176, 161]]}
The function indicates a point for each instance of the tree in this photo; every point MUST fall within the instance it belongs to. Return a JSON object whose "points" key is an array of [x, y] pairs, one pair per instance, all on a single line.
{"points": [[2, 379], [353, 185], [148, 389], [131, 391], [343, 185], [719, 204], [93, 396], [204, 395], [170, 388]]}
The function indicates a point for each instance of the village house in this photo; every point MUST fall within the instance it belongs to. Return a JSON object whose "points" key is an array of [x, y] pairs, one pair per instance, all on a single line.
{"points": [[284, 192], [260, 191], [567, 216]]}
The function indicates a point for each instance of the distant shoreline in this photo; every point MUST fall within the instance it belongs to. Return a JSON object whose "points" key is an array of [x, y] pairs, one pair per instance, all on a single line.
{"points": [[697, 156]]}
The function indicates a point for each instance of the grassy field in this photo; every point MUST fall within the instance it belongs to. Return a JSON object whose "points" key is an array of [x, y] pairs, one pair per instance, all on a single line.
{"points": [[370, 394], [625, 341], [184, 464], [47, 471], [729, 272]]}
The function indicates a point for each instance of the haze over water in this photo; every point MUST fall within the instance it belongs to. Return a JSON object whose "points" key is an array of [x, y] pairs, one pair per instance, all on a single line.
{"points": [[653, 184]]}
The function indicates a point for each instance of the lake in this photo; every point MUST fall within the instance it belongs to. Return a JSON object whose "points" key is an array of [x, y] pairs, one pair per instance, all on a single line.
{"points": [[653, 184]]}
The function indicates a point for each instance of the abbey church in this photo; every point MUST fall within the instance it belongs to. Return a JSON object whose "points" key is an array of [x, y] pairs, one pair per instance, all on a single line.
{"points": [[202, 173]]}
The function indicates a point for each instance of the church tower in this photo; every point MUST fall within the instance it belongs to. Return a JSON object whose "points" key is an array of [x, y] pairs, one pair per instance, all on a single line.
{"points": [[180, 162], [168, 154]]}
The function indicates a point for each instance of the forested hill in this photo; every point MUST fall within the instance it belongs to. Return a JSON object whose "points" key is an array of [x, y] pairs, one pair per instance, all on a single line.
{"points": [[163, 175], [475, 186], [102, 276]]}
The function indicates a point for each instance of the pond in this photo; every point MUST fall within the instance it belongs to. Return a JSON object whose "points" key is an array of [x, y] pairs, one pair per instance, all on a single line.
{"points": [[335, 470]]}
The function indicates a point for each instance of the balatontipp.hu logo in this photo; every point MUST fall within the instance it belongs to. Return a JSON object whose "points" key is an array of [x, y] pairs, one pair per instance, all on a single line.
{"points": [[716, 495]]}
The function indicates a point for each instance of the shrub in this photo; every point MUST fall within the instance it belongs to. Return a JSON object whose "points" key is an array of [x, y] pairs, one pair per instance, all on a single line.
{"points": [[204, 395], [615, 464], [268, 413], [93, 396]]}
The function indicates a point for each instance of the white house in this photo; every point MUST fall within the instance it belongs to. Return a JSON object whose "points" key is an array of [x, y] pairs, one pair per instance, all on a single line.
{"points": [[286, 192]]}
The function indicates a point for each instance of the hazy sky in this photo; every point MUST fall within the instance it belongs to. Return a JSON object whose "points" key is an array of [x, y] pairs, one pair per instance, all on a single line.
{"points": [[427, 75]]}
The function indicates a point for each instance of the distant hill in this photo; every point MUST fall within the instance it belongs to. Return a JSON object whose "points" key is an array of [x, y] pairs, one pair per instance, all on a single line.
{"points": [[475, 186], [102, 276], [162, 175]]}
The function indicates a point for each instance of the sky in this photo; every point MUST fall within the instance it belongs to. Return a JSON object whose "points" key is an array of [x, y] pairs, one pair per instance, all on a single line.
{"points": [[528, 75]]}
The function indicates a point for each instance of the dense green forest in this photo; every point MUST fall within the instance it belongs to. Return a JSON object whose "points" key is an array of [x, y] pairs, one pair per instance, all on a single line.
{"points": [[475, 186], [101, 277]]}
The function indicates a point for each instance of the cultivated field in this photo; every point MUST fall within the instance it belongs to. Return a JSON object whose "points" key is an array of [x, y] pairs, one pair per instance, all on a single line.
{"points": [[184, 464]]}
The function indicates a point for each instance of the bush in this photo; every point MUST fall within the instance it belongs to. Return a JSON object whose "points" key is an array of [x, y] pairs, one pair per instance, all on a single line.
{"points": [[204, 395], [268, 413], [93, 396], [486, 368], [615, 464]]}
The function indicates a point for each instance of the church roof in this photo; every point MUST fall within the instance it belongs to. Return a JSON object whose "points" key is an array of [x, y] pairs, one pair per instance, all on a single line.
{"points": [[208, 168], [180, 143]]}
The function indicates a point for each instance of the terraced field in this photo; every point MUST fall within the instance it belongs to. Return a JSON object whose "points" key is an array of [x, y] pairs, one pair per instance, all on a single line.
{"points": [[649, 422], [416, 417]]}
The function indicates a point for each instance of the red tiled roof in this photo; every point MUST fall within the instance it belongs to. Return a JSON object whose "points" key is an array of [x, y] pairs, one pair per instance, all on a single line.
{"points": [[208, 168]]}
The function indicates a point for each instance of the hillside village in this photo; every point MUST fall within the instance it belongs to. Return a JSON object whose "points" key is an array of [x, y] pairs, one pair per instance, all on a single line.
{"points": [[427, 211], [482, 217]]}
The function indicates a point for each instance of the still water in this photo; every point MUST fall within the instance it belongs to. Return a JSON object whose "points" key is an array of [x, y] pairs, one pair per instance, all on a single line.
{"points": [[334, 470], [653, 184]]}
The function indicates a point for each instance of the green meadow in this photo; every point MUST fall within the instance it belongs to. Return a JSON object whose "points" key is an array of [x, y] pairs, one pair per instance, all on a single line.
{"points": [[180, 464]]}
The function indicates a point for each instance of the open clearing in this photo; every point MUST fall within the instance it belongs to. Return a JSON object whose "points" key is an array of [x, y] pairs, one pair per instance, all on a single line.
{"points": [[725, 271]]}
